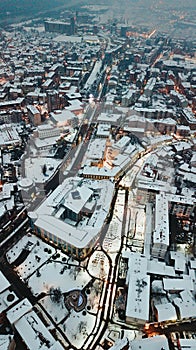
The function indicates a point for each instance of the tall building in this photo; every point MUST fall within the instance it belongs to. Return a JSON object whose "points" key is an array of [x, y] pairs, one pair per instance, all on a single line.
{"points": [[34, 115], [53, 100], [61, 27]]}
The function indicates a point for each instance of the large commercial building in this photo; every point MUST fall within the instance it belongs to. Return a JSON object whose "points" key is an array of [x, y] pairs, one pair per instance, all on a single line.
{"points": [[73, 215], [61, 27]]}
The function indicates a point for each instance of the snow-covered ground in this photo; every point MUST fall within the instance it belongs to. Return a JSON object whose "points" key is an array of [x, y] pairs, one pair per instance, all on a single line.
{"points": [[51, 276], [78, 327], [46, 269], [39, 252], [114, 234]]}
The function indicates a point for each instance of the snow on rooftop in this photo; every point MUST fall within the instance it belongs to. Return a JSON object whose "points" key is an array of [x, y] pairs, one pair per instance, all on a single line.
{"points": [[76, 235], [108, 118], [158, 342], [96, 149], [7, 298], [62, 116], [119, 344], [103, 130], [138, 288], [123, 142], [187, 344], [8, 135], [19, 310], [34, 333], [36, 257], [181, 146], [178, 284], [161, 233], [180, 261], [193, 264], [4, 283], [5, 341], [156, 267], [166, 312], [186, 304]]}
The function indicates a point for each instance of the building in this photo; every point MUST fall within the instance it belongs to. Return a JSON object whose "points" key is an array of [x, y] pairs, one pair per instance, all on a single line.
{"points": [[46, 131], [73, 215], [53, 100], [34, 115], [161, 233], [61, 27], [137, 308], [63, 118], [158, 342], [30, 327], [9, 136]]}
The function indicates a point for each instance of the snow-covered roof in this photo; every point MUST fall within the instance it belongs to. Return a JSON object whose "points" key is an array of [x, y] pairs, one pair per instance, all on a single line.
{"points": [[176, 284], [5, 340], [161, 233], [4, 283], [108, 118], [73, 194], [103, 130], [138, 288], [96, 149], [123, 142], [158, 342], [19, 310], [35, 334], [187, 344], [8, 135], [186, 304], [62, 116], [180, 261], [166, 312], [156, 267]]}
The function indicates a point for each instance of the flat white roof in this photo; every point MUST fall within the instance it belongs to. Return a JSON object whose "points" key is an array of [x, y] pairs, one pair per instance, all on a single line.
{"points": [[193, 264], [123, 142], [62, 116], [153, 343], [156, 267], [186, 304], [33, 109], [5, 341], [4, 283], [181, 146], [103, 130], [187, 344], [96, 149], [35, 334], [77, 198], [19, 310], [8, 135], [180, 261], [108, 118], [166, 312], [138, 288], [161, 233], [176, 284]]}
